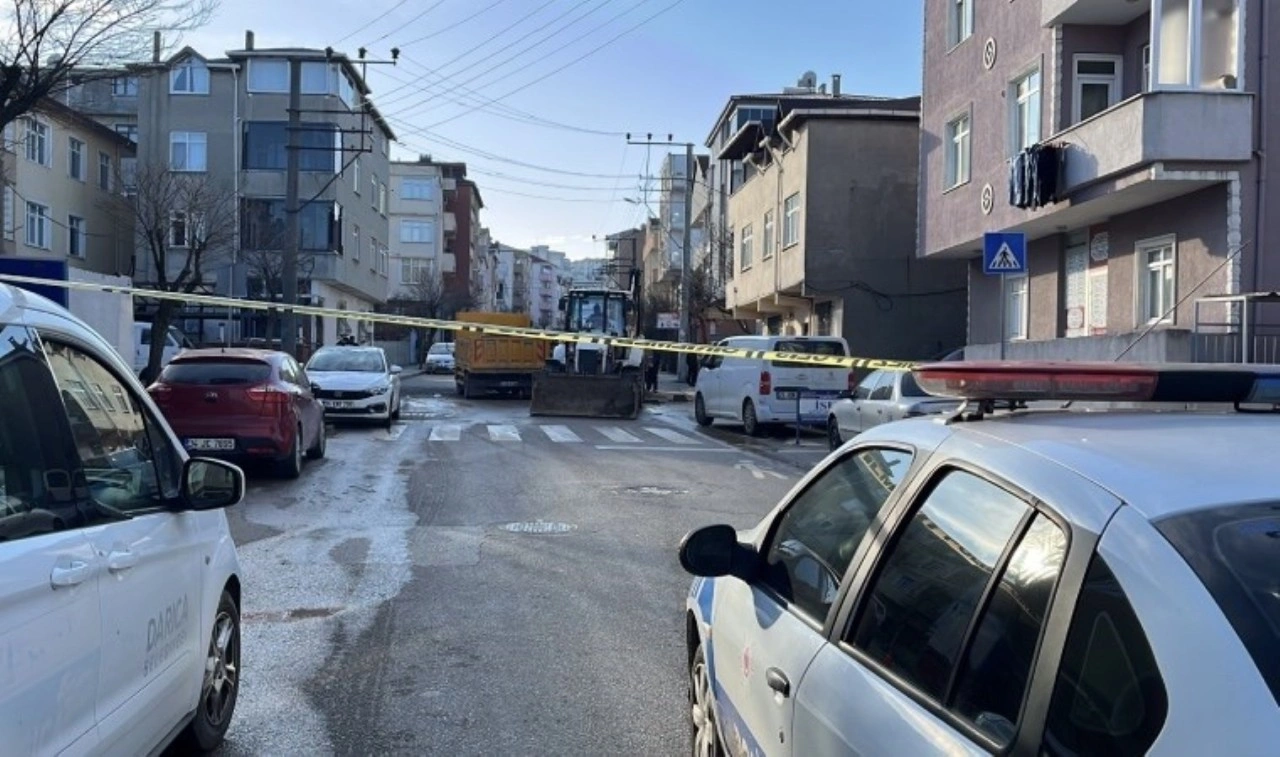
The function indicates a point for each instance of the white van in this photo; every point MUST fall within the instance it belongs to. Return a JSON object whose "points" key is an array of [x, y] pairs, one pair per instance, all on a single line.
{"points": [[175, 342], [757, 392]]}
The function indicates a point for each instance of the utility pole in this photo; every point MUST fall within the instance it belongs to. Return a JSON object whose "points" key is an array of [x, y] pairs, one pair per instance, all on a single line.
{"points": [[293, 214], [686, 254]]}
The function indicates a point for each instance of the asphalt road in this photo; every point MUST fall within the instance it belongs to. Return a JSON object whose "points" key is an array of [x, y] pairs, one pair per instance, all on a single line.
{"points": [[477, 581]]}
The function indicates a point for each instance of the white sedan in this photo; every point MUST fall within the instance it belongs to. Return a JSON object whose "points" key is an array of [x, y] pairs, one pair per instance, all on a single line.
{"points": [[355, 382]]}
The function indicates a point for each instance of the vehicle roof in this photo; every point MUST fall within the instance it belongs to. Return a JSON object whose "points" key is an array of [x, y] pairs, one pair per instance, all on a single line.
{"points": [[349, 348], [236, 353], [1161, 463]]}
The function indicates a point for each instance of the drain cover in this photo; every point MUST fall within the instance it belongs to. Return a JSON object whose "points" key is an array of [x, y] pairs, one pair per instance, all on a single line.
{"points": [[652, 491], [539, 527]]}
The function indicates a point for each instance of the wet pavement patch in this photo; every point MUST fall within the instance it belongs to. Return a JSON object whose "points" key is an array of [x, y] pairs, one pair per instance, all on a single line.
{"points": [[539, 527], [649, 491], [282, 616]]}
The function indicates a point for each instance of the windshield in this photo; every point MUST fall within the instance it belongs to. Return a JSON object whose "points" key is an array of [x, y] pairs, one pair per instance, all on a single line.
{"points": [[440, 348], [359, 361], [809, 347], [596, 312], [210, 372], [910, 388], [1235, 551]]}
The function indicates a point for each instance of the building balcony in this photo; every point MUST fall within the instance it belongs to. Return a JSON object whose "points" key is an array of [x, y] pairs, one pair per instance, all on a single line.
{"points": [[1091, 12]]}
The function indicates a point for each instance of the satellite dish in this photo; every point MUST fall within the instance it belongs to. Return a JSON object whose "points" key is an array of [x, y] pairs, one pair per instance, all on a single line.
{"points": [[809, 79]]}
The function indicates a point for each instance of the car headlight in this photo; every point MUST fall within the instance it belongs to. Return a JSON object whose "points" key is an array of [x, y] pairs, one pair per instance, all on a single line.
{"points": [[381, 389]]}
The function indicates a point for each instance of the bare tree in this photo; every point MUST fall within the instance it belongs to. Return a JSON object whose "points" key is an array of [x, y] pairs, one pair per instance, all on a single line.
{"points": [[43, 41], [185, 224], [263, 234]]}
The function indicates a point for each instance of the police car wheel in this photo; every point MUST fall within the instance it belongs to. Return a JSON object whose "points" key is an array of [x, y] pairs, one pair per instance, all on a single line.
{"points": [[704, 740]]}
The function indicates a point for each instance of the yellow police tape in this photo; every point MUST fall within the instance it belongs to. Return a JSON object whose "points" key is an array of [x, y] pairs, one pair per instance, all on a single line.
{"points": [[472, 328]]}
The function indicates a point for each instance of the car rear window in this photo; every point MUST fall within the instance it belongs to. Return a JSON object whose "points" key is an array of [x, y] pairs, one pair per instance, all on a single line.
{"points": [[216, 372], [809, 348], [910, 388], [1235, 551]]}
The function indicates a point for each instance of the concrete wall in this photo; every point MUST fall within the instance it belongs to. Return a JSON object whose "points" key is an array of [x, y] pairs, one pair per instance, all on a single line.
{"points": [[761, 193]]}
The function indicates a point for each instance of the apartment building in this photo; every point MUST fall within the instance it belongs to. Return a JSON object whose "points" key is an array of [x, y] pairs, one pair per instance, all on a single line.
{"points": [[60, 172], [462, 205], [821, 201], [417, 228], [665, 266], [110, 98], [1150, 119], [625, 264], [225, 119], [544, 291]]}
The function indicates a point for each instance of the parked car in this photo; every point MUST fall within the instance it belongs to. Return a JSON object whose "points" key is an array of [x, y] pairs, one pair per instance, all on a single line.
{"points": [[174, 342], [1038, 582], [356, 382], [440, 357], [881, 397], [120, 593], [758, 393], [243, 404]]}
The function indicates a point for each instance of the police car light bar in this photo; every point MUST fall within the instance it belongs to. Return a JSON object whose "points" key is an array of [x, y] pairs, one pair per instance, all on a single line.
{"points": [[1103, 382]]}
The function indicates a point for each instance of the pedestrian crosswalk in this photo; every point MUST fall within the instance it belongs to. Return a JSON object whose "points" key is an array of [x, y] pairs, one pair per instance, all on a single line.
{"points": [[610, 437]]}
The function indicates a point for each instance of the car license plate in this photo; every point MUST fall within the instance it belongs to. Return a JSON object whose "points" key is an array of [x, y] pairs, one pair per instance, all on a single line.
{"points": [[336, 404], [204, 445], [785, 395]]}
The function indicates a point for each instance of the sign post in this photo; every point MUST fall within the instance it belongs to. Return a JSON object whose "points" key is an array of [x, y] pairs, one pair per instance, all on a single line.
{"points": [[1004, 253]]}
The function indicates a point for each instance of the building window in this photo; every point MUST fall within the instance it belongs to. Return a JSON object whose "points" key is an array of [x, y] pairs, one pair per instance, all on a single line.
{"points": [[128, 131], [188, 151], [958, 151], [1196, 43], [178, 230], [268, 75], [791, 220], [77, 237], [38, 150], [1158, 285], [1016, 310], [417, 270], [1146, 68], [1025, 116], [190, 77], [373, 253], [355, 175], [745, 255], [124, 86], [382, 198], [317, 78], [75, 158], [417, 189], [1098, 84], [39, 226], [266, 146], [373, 191], [414, 232], [960, 21], [104, 171], [768, 235]]}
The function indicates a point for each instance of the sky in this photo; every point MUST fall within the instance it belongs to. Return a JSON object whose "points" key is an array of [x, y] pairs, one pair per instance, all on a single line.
{"points": [[536, 96]]}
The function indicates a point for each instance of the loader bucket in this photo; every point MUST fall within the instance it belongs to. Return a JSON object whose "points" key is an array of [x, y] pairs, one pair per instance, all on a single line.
{"points": [[616, 395]]}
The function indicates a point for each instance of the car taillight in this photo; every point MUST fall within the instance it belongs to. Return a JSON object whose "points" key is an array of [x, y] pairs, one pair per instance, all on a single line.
{"points": [[853, 382], [271, 394], [766, 383]]}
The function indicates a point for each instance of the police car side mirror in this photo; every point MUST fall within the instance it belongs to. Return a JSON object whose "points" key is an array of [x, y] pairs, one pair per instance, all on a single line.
{"points": [[714, 551], [209, 484]]}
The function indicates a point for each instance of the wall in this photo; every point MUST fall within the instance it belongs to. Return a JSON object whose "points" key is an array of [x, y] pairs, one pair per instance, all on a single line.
{"points": [[748, 205], [402, 209]]}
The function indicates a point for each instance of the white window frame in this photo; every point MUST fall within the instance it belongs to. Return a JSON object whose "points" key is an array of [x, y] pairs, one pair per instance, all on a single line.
{"points": [[39, 226], [77, 237], [791, 220], [1195, 46], [1146, 67], [1115, 82], [959, 21], [355, 175], [197, 77], [124, 86], [1016, 322], [187, 138], [409, 188], [38, 138], [959, 151], [415, 232], [355, 245], [259, 76], [75, 158], [746, 253], [309, 69], [1016, 103], [768, 229], [1143, 249]]}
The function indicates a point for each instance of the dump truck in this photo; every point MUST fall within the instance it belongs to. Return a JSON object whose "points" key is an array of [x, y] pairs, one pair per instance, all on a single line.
{"points": [[506, 364], [592, 380]]}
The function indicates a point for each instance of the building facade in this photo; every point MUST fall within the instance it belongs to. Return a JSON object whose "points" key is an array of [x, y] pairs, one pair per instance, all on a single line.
{"points": [[822, 204], [1151, 116], [62, 191], [418, 263]]}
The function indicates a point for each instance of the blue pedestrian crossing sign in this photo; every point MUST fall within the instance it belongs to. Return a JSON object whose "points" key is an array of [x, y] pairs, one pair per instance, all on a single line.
{"points": [[1004, 253]]}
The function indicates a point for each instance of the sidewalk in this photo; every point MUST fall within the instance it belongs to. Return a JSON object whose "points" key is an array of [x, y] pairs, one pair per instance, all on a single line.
{"points": [[671, 389]]}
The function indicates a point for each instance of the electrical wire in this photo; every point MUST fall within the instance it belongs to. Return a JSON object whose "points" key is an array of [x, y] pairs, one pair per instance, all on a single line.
{"points": [[371, 22], [498, 158], [449, 27]]}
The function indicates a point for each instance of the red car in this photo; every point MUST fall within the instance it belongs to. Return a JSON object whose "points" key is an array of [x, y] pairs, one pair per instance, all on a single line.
{"points": [[243, 404]]}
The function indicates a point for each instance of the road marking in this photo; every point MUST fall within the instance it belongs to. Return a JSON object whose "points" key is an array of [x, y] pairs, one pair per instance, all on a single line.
{"points": [[446, 432], [756, 470], [394, 434], [560, 434], [616, 434], [672, 436], [504, 434], [633, 448]]}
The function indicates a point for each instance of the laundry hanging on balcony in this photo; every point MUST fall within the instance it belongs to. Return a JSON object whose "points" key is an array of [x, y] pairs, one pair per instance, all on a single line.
{"points": [[1033, 176]]}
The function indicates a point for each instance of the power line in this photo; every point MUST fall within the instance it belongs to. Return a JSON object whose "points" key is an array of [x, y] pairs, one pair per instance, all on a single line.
{"points": [[491, 156], [454, 25], [372, 21], [555, 71]]}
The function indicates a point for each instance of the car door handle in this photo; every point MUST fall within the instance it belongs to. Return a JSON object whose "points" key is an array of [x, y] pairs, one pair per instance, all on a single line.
{"points": [[120, 560], [778, 681], [70, 575]]}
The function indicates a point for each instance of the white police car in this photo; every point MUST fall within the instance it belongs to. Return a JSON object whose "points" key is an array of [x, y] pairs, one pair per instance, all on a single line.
{"points": [[119, 584], [1029, 583]]}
